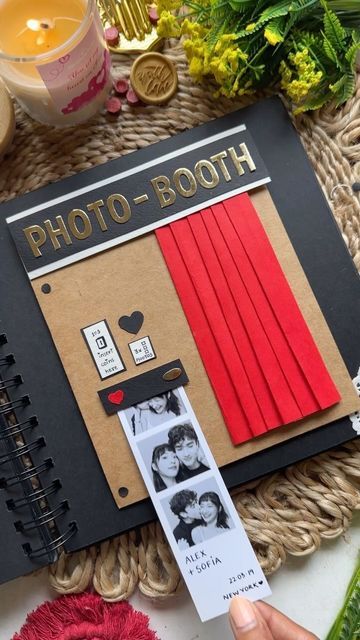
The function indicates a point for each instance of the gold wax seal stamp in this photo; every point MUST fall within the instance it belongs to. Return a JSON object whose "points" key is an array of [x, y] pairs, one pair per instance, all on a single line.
{"points": [[133, 20], [153, 78]]}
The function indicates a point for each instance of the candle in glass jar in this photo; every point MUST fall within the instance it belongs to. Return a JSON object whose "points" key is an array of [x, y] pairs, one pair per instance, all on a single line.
{"points": [[54, 58]]}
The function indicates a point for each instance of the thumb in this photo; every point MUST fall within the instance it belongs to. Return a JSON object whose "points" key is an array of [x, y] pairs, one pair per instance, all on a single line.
{"points": [[246, 621]]}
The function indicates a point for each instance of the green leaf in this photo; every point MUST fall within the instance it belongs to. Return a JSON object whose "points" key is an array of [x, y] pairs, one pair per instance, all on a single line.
{"points": [[331, 52], [351, 54], [334, 31], [241, 5], [275, 11], [344, 88], [258, 7], [314, 102], [254, 46], [348, 615], [281, 8], [277, 27]]}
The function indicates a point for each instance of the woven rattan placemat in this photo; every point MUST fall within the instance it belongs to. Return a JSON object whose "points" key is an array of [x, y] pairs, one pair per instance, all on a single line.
{"points": [[292, 511]]}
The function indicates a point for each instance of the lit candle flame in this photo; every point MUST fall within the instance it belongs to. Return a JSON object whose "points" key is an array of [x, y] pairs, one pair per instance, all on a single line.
{"points": [[34, 25], [43, 25]]}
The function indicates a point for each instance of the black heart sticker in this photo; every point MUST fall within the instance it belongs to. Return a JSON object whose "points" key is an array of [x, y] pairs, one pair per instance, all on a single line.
{"points": [[133, 323]]}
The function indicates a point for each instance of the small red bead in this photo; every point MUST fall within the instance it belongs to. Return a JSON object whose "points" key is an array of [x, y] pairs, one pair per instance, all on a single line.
{"points": [[121, 86], [132, 98], [112, 36], [153, 15], [113, 105]]}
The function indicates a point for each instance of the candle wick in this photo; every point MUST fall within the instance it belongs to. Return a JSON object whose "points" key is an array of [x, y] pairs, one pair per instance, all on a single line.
{"points": [[44, 25], [21, 32], [65, 18]]}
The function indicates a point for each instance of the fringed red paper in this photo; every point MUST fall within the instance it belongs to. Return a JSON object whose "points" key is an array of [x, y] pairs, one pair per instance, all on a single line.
{"points": [[261, 359]]}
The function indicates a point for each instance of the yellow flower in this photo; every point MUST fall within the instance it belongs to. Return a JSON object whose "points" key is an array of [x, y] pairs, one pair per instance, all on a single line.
{"points": [[233, 60], [272, 37], [297, 90], [219, 69], [168, 25], [193, 29], [188, 47], [196, 68], [299, 78], [285, 73], [168, 5], [223, 42]]}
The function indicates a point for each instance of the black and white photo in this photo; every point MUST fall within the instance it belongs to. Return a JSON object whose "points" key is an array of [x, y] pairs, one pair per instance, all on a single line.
{"points": [[197, 514], [173, 455], [156, 411]]}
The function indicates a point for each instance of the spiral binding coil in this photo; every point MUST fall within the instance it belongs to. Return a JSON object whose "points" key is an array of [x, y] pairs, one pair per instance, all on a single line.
{"points": [[10, 382], [8, 407], [49, 516], [26, 474], [31, 472], [18, 452], [18, 428], [53, 546]]}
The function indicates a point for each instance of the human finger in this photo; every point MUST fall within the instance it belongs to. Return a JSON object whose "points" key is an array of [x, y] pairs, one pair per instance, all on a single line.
{"points": [[247, 622], [281, 627]]}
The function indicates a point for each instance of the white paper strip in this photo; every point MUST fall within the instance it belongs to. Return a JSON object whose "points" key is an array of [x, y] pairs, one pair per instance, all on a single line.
{"points": [[192, 502]]}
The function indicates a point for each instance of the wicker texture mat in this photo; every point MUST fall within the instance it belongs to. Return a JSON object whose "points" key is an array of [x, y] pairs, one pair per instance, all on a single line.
{"points": [[290, 512]]}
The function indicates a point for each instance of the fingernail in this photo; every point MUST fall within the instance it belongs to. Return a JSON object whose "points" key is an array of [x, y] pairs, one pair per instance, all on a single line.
{"points": [[242, 615]]}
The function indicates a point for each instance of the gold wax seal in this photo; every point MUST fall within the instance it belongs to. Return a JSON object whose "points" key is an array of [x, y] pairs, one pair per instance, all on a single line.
{"points": [[153, 78]]}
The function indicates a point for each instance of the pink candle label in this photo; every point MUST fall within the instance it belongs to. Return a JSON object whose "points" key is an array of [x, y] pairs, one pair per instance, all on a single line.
{"points": [[77, 77]]}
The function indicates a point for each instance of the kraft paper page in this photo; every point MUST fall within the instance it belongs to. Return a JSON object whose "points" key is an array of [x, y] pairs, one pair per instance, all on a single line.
{"points": [[132, 277]]}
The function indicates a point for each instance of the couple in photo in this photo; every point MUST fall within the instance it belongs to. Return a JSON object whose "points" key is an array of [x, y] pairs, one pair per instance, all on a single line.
{"points": [[199, 519], [155, 411], [178, 459]]}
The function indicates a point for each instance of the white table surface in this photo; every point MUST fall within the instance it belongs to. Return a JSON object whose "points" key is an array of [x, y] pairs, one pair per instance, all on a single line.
{"points": [[310, 590]]}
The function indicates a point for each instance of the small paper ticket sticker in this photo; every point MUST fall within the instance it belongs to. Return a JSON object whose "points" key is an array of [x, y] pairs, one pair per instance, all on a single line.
{"points": [[142, 350], [103, 349], [198, 516]]}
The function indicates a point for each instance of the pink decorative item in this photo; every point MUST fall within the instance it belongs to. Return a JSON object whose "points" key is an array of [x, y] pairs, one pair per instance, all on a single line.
{"points": [[112, 36], [132, 98], [153, 15], [121, 86], [85, 616], [113, 105]]}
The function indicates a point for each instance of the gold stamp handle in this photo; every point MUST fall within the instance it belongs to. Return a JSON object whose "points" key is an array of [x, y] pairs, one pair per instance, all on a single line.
{"points": [[131, 17]]}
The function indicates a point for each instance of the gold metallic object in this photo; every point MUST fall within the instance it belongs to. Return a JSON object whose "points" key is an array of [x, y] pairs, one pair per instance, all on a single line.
{"points": [[172, 374], [131, 18], [153, 78]]}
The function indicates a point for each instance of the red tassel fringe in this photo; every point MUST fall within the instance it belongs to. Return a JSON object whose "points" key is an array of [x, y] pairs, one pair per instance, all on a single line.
{"points": [[85, 617]]}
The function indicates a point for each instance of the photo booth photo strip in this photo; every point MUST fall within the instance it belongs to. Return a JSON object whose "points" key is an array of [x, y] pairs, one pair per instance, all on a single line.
{"points": [[195, 509]]}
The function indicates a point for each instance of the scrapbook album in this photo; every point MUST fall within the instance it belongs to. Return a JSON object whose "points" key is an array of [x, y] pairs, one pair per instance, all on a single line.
{"points": [[202, 276]]}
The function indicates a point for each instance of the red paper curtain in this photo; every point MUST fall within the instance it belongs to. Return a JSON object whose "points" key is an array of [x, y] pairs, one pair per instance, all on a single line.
{"points": [[259, 354]]}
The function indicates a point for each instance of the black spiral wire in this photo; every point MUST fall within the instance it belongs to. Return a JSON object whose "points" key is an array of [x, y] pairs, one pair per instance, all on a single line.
{"points": [[15, 453]]}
